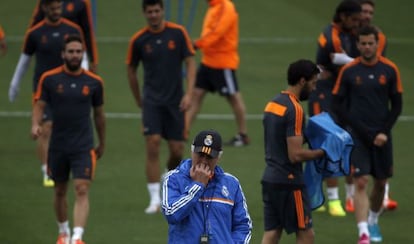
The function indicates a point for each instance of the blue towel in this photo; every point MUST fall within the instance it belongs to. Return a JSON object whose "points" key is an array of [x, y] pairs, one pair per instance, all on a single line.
{"points": [[322, 132]]}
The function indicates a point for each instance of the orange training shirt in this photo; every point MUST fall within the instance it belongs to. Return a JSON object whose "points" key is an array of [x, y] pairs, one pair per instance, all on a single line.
{"points": [[220, 36]]}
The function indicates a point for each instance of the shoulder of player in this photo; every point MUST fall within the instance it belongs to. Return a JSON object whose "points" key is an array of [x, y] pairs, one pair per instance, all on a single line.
{"points": [[174, 26], [138, 34], [69, 23], [387, 62], [93, 76]]}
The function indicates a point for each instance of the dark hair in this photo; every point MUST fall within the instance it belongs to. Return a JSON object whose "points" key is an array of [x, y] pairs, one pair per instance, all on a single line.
{"points": [[368, 30], [47, 2], [370, 2], [348, 8], [301, 68], [71, 38], [146, 3]]}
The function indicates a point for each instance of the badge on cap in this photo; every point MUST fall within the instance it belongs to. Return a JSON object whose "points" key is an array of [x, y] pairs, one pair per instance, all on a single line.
{"points": [[208, 141]]}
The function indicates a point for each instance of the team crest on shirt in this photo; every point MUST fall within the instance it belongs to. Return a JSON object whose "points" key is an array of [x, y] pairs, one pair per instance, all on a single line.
{"points": [[225, 191], [70, 7], [43, 40], [85, 90], [148, 48], [60, 89], [171, 45], [358, 80], [382, 80]]}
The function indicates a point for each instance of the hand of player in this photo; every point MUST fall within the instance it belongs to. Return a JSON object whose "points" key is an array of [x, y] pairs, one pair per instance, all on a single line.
{"points": [[13, 91], [185, 102], [380, 139], [36, 131], [200, 173], [99, 150]]}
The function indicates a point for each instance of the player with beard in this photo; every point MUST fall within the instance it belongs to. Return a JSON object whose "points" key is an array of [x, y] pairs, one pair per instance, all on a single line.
{"points": [[44, 41], [71, 92], [337, 38], [286, 203]]}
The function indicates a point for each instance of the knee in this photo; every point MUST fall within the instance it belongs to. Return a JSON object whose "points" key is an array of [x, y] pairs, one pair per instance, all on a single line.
{"points": [[81, 189], [361, 183]]}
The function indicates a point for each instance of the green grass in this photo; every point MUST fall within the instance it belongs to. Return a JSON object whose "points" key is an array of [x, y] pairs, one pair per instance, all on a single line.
{"points": [[118, 195]]}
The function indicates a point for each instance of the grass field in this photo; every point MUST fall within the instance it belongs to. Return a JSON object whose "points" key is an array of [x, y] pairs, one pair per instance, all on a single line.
{"points": [[273, 33]]}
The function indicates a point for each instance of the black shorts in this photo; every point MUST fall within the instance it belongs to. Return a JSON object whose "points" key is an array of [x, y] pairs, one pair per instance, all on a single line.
{"points": [[81, 164], [164, 120], [375, 161], [223, 81], [284, 208], [320, 100]]}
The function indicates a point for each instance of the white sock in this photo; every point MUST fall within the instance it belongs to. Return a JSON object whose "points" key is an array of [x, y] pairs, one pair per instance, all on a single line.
{"points": [[332, 193], [373, 217], [350, 190], [44, 169], [64, 227], [77, 233], [154, 191], [363, 228], [387, 191]]}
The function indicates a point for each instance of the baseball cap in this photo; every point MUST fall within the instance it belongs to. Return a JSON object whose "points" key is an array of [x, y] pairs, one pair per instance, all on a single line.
{"points": [[208, 142]]}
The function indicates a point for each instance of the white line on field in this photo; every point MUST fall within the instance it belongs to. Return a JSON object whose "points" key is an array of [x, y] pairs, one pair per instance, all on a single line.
{"points": [[25, 114], [243, 40]]}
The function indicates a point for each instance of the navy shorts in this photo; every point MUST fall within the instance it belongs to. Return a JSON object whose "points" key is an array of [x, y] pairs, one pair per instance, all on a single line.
{"points": [[164, 120], [286, 208], [81, 164], [223, 81], [375, 161]]}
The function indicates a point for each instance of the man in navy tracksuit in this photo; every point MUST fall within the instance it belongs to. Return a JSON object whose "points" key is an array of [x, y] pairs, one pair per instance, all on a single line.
{"points": [[201, 202]]}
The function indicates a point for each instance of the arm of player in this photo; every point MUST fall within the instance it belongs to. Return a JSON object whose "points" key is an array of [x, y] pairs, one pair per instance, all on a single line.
{"points": [[100, 127], [298, 154], [134, 85], [242, 223], [340, 58], [37, 115], [177, 203], [21, 68], [190, 78]]}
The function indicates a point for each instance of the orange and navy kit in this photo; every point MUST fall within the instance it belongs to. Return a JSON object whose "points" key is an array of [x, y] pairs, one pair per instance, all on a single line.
{"points": [[45, 40], [79, 12]]}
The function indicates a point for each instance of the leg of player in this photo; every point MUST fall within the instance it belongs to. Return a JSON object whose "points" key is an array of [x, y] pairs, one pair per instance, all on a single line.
{"points": [[153, 143], [61, 211], [42, 150], [239, 110], [197, 100], [350, 190], [377, 198], [361, 204], [81, 209], [388, 203], [334, 203]]}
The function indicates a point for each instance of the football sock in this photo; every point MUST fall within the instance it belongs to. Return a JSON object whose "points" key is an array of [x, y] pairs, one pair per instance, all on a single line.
{"points": [[332, 193], [363, 228], [350, 190], [64, 227], [387, 190], [44, 169], [373, 217], [77, 233], [154, 191]]}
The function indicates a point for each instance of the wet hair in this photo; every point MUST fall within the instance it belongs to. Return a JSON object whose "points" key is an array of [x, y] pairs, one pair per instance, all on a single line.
{"points": [[71, 38], [368, 30], [348, 8], [301, 68], [146, 3]]}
